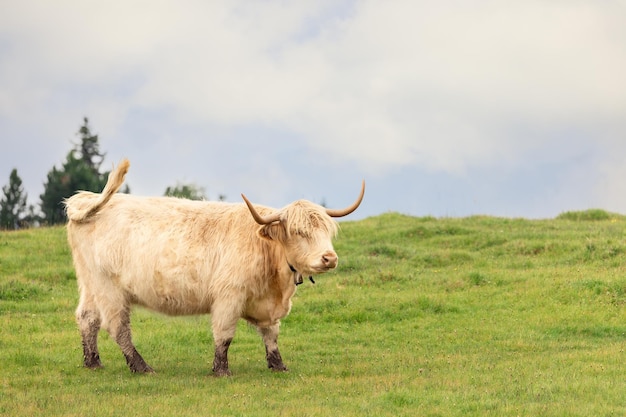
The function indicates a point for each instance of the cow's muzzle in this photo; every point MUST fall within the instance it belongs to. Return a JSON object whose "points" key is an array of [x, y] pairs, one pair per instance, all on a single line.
{"points": [[329, 260]]}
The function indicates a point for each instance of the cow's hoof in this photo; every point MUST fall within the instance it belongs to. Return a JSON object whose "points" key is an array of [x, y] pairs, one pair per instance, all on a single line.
{"points": [[221, 372], [92, 361], [147, 370], [275, 362], [142, 368], [282, 368]]}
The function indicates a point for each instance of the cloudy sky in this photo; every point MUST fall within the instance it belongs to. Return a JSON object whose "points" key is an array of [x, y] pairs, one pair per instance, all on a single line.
{"points": [[505, 108]]}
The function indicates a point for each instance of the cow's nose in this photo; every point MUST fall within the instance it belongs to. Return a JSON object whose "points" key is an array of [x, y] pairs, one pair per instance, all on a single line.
{"points": [[330, 259]]}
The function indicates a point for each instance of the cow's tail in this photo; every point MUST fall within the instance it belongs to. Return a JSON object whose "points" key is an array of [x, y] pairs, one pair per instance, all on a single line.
{"points": [[82, 212]]}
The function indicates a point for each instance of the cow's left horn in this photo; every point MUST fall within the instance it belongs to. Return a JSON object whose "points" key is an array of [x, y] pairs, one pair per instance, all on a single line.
{"points": [[348, 210], [271, 218]]}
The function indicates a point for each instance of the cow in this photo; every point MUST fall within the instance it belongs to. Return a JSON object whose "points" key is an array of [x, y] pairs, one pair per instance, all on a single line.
{"points": [[181, 257]]}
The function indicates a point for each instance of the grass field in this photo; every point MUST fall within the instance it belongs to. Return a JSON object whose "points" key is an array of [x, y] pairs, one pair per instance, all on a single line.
{"points": [[477, 316]]}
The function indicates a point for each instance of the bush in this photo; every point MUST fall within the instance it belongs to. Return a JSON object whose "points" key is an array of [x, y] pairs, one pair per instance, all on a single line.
{"points": [[586, 215]]}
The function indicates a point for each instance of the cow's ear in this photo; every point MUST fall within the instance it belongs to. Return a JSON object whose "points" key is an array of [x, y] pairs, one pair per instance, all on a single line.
{"points": [[272, 231]]}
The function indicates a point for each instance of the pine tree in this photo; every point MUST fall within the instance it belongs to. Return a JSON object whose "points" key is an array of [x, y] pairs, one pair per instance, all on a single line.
{"points": [[74, 175], [80, 171], [13, 203], [89, 148], [188, 191]]}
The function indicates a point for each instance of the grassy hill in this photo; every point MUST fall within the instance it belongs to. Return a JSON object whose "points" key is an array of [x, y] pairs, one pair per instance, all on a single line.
{"points": [[424, 316]]}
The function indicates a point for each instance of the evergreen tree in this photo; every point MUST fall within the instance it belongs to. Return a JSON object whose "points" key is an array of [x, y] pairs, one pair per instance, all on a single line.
{"points": [[79, 172], [89, 148], [13, 203], [188, 191]]}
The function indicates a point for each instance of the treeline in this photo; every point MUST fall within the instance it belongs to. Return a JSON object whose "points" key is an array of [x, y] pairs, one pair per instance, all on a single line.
{"points": [[80, 171]]}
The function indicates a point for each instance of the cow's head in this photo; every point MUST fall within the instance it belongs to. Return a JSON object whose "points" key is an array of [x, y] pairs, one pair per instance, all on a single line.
{"points": [[305, 230]]}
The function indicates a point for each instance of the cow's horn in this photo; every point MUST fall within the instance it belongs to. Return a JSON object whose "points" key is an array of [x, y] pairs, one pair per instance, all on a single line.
{"points": [[348, 210], [271, 218]]}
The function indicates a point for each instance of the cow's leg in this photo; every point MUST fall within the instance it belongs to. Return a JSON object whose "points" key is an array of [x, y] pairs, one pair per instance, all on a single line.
{"points": [[117, 323], [224, 323], [88, 319], [272, 354]]}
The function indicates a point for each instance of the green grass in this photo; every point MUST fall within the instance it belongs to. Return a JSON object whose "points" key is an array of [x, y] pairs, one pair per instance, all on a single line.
{"points": [[478, 316]]}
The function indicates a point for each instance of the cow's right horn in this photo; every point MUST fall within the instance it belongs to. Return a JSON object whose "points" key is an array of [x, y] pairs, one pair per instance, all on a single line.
{"points": [[271, 218], [348, 210]]}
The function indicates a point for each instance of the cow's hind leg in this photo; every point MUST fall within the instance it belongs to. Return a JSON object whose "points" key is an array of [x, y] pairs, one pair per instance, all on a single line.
{"points": [[117, 323], [88, 319], [272, 354]]}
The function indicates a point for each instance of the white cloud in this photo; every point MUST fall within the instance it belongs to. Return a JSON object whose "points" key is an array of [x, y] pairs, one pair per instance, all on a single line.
{"points": [[445, 86]]}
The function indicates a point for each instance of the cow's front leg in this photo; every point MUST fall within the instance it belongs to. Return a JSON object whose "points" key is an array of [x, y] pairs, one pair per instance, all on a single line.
{"points": [[272, 354], [224, 325], [220, 362]]}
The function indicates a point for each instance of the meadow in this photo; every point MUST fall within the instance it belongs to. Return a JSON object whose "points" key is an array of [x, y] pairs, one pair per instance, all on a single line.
{"points": [[476, 316]]}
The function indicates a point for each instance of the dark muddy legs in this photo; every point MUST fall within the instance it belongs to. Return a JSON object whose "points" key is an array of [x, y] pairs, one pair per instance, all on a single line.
{"points": [[272, 354], [89, 319]]}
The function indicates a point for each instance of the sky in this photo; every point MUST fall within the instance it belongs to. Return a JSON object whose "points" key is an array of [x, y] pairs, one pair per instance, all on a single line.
{"points": [[446, 109]]}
